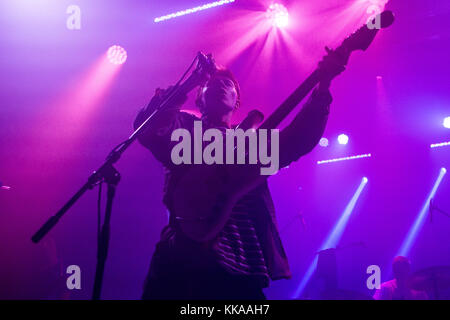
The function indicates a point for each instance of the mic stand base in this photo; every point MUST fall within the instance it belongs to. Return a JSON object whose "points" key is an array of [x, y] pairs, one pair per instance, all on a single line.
{"points": [[112, 178]]}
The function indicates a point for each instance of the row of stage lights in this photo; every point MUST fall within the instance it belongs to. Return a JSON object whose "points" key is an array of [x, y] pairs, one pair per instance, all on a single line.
{"points": [[343, 139], [118, 55], [276, 13], [278, 16]]}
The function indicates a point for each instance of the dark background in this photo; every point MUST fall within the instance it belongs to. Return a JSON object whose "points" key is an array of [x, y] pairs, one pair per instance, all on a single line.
{"points": [[63, 107]]}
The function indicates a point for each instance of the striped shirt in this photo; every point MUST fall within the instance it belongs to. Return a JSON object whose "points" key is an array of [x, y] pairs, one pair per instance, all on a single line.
{"points": [[238, 248]]}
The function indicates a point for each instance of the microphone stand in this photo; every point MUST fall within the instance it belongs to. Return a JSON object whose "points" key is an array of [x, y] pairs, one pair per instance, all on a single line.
{"points": [[107, 173], [433, 207]]}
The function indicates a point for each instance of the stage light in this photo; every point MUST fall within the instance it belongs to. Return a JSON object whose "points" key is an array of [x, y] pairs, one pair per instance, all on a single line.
{"points": [[323, 142], [333, 238], [414, 231], [367, 155], [117, 55], [192, 10], [278, 15], [336, 234], [441, 144], [378, 2], [343, 139], [446, 122]]}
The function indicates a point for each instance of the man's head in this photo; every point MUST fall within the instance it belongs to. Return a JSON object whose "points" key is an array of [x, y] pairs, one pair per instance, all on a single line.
{"points": [[401, 267], [220, 95]]}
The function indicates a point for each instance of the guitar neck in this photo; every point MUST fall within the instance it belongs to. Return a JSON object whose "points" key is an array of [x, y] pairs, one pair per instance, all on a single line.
{"points": [[359, 40], [291, 102]]}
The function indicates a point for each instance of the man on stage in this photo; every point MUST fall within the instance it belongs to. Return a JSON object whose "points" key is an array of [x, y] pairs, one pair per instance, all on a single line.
{"points": [[247, 253]]}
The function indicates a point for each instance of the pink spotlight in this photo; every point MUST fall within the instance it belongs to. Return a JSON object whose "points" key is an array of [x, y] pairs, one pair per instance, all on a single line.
{"points": [[117, 55], [278, 15], [323, 142]]}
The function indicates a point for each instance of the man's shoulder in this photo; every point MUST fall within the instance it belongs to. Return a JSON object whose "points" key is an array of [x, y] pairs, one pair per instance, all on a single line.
{"points": [[190, 115], [389, 284]]}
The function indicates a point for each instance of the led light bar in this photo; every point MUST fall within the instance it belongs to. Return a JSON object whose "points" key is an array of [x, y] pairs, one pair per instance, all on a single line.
{"points": [[367, 155], [192, 10], [442, 144]]}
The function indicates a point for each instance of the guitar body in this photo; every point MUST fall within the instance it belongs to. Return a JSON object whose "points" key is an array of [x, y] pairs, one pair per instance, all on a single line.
{"points": [[206, 194]]}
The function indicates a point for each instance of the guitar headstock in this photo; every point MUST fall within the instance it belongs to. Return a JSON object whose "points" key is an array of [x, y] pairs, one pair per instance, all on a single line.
{"points": [[363, 37]]}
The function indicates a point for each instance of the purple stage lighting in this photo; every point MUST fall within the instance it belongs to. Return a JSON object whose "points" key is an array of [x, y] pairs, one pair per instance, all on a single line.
{"points": [[278, 15], [414, 231], [192, 10], [343, 139], [446, 122], [441, 144], [117, 55], [367, 155], [323, 142], [335, 235]]}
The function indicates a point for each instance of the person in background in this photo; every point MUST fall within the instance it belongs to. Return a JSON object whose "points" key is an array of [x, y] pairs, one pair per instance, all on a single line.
{"points": [[399, 287]]}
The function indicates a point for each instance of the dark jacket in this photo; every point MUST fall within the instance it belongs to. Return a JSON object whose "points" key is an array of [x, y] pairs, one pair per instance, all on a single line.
{"points": [[296, 140]]}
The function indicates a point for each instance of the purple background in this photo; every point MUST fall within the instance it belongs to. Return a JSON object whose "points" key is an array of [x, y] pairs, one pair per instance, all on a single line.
{"points": [[59, 118]]}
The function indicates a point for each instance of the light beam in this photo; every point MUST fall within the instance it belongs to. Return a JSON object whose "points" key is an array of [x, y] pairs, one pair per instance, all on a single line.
{"points": [[333, 238], [418, 223]]}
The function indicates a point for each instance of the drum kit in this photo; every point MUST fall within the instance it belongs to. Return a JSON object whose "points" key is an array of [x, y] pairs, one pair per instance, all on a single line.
{"points": [[433, 280]]}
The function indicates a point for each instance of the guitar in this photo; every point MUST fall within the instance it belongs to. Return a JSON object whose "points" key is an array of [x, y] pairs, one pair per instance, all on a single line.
{"points": [[205, 195]]}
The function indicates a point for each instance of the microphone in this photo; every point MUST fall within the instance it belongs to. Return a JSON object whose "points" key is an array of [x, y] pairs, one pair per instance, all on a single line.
{"points": [[202, 57], [206, 63]]}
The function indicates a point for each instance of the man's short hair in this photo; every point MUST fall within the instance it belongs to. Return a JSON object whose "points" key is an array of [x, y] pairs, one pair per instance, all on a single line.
{"points": [[400, 266]]}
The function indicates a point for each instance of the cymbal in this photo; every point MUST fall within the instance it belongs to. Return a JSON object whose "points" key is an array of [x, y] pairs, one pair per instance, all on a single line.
{"points": [[432, 278]]}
